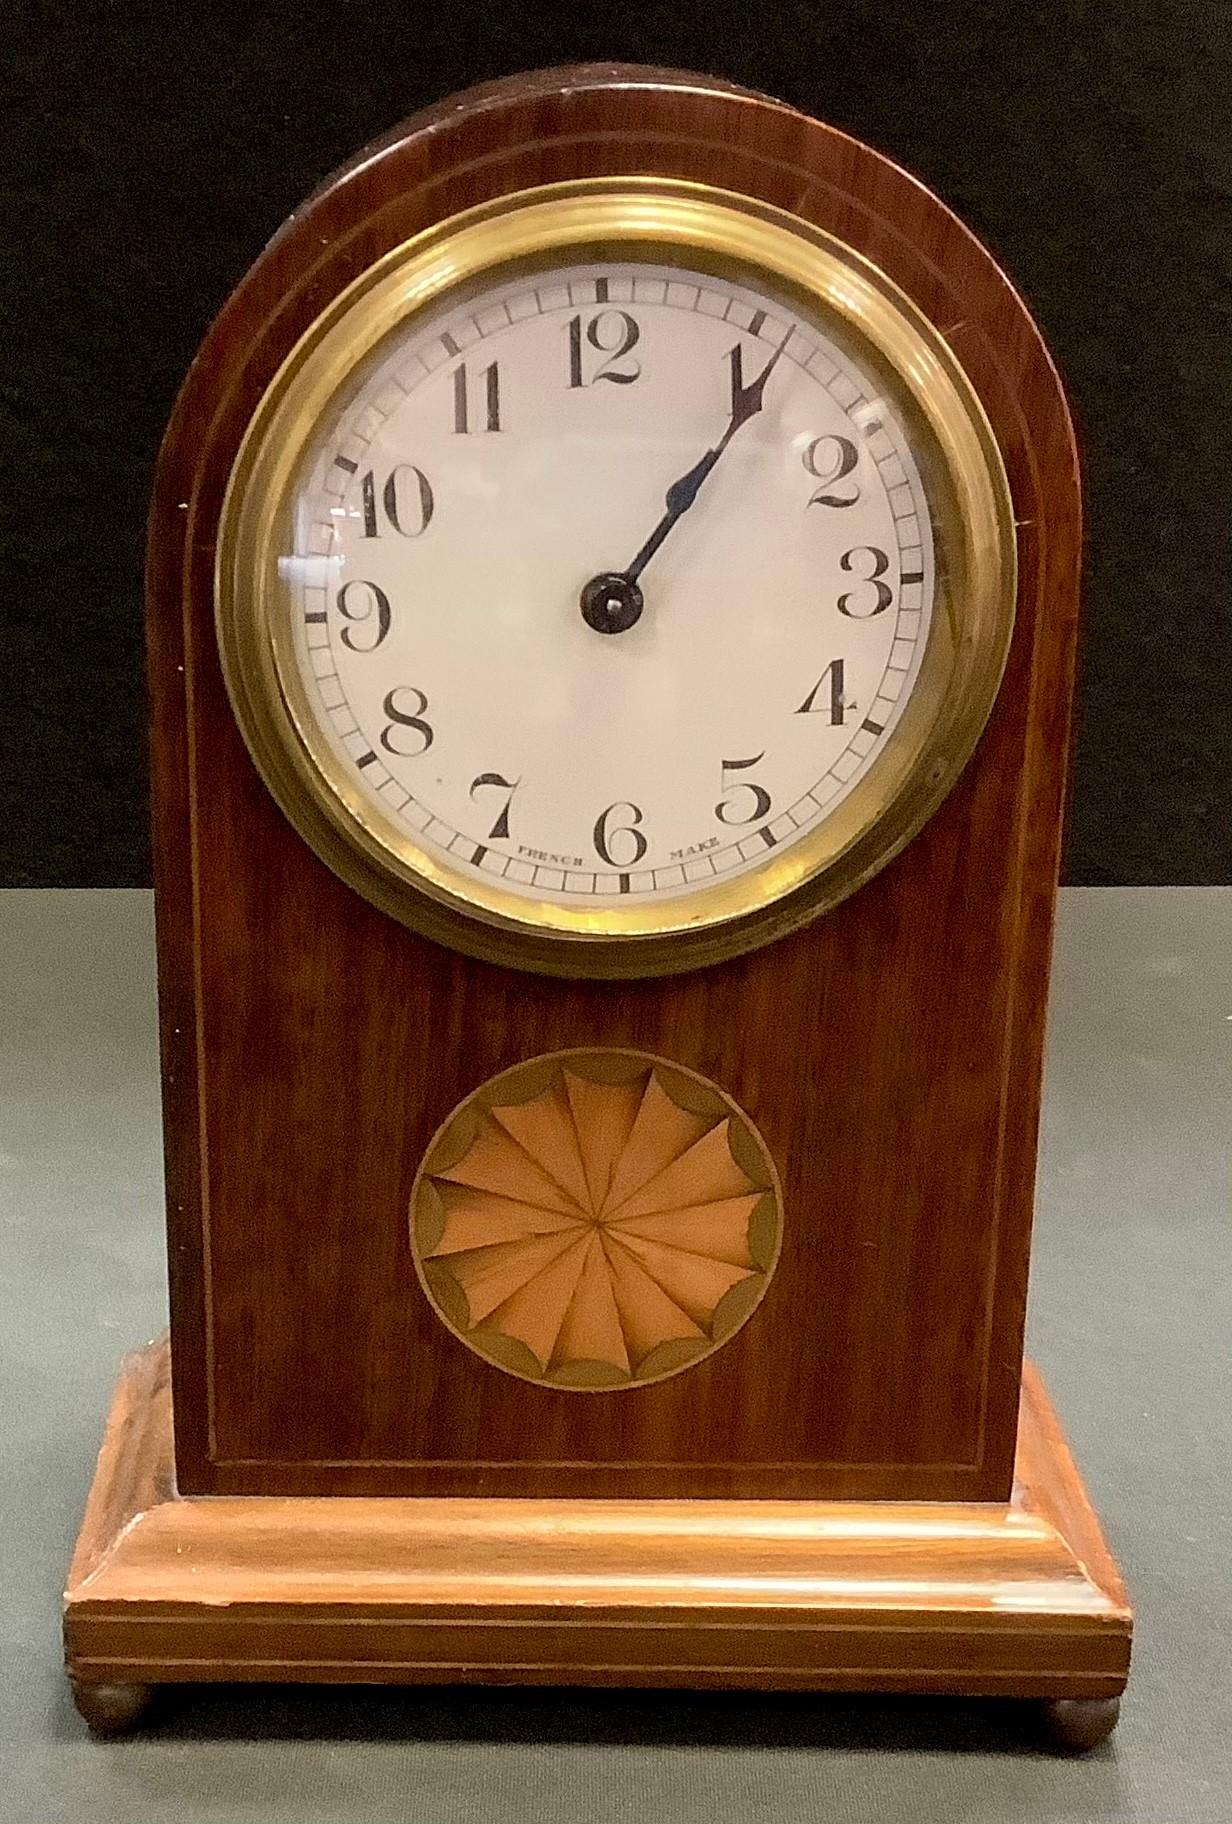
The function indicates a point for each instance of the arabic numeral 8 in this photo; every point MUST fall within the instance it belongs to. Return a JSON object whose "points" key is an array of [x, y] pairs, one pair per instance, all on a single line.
{"points": [[401, 719]]}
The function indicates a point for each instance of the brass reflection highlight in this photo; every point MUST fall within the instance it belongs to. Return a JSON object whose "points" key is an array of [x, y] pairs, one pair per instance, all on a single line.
{"points": [[973, 534]]}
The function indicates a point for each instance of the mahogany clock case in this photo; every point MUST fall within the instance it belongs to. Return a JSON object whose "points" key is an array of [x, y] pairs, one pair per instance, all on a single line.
{"points": [[889, 1053]]}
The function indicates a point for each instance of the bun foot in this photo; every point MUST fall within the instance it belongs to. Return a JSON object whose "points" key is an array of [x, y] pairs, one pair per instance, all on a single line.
{"points": [[1078, 1724], [110, 1709]]}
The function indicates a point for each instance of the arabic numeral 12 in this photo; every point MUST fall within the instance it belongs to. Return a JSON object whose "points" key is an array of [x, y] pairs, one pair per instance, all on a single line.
{"points": [[613, 334]]}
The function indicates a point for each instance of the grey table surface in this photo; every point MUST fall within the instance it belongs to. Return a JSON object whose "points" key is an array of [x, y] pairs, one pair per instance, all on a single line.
{"points": [[1131, 1319]]}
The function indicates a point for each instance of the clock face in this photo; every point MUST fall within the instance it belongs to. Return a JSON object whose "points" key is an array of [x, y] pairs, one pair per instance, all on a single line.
{"points": [[607, 593], [610, 580]]}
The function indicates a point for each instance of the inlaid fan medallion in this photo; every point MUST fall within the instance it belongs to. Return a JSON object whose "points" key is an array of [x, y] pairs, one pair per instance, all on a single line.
{"points": [[596, 1220]]}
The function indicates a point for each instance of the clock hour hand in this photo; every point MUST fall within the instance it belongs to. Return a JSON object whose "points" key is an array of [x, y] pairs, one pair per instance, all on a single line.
{"points": [[613, 601], [680, 497]]}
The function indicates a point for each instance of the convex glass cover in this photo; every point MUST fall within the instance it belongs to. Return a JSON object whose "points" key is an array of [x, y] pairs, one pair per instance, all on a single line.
{"points": [[616, 579]]}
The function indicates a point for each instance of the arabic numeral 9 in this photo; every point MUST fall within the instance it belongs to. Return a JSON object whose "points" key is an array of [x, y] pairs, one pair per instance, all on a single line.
{"points": [[366, 605]]}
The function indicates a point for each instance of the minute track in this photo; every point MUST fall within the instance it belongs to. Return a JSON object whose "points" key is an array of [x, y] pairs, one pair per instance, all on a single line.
{"points": [[417, 370]]}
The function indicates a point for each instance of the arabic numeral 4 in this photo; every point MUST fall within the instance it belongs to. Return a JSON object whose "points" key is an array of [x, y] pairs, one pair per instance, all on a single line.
{"points": [[827, 696]]}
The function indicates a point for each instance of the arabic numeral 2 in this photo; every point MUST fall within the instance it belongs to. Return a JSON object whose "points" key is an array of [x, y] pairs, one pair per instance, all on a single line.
{"points": [[613, 334], [830, 460]]}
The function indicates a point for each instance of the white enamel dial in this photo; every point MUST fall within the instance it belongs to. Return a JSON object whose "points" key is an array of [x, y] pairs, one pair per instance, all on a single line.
{"points": [[718, 698]]}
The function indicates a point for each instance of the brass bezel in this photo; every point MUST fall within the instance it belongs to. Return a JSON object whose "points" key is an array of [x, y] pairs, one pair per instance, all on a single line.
{"points": [[965, 654]]}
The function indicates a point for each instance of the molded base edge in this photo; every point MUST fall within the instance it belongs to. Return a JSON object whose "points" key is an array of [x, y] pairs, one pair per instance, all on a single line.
{"points": [[1019, 1599]]}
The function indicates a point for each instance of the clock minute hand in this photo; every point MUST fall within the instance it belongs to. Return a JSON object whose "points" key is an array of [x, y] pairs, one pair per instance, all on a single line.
{"points": [[747, 401]]}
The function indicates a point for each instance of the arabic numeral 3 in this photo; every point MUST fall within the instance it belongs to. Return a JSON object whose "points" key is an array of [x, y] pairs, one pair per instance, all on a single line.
{"points": [[870, 596]]}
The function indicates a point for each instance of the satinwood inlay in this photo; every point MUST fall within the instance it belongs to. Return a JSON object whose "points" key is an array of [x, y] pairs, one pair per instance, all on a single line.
{"points": [[596, 1220]]}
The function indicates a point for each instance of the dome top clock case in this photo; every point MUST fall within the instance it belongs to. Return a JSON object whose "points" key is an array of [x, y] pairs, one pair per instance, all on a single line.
{"points": [[501, 682], [612, 585]]}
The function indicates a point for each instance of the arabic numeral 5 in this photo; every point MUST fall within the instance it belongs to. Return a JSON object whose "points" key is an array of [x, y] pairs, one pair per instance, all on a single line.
{"points": [[734, 807]]}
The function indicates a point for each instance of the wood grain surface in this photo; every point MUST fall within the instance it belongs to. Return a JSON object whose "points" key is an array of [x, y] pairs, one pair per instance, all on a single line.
{"points": [[597, 1220], [889, 1054], [1010, 1599]]}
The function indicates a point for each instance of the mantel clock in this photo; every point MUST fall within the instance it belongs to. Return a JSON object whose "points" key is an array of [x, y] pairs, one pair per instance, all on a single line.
{"points": [[612, 588]]}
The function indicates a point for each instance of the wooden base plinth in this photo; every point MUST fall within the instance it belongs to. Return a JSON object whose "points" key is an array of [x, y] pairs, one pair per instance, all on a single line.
{"points": [[1016, 1600]]}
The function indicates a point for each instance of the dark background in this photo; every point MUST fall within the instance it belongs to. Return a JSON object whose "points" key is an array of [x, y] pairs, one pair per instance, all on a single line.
{"points": [[150, 150]]}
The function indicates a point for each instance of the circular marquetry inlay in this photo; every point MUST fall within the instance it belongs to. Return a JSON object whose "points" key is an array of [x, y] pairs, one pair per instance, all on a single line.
{"points": [[596, 1219]]}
